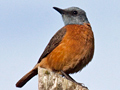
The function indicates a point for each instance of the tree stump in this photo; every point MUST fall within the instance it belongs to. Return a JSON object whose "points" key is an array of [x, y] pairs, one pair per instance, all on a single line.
{"points": [[48, 80]]}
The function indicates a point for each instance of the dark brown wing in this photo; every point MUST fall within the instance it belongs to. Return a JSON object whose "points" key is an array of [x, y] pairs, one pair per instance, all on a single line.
{"points": [[54, 42]]}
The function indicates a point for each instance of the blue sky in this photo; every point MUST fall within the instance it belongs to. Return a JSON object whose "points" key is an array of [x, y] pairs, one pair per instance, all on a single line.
{"points": [[26, 27]]}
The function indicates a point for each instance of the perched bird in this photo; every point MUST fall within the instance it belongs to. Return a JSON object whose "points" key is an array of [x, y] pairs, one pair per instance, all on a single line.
{"points": [[70, 49]]}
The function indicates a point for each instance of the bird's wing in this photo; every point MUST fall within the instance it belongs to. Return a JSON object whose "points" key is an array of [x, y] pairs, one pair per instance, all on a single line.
{"points": [[54, 42]]}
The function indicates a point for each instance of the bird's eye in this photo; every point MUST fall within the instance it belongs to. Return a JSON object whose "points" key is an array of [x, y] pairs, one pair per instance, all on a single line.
{"points": [[75, 12]]}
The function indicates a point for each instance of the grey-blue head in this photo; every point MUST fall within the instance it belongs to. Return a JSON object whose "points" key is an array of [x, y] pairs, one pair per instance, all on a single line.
{"points": [[73, 15]]}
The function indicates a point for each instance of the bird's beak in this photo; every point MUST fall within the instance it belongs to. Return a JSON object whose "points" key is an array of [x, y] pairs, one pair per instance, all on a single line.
{"points": [[61, 11]]}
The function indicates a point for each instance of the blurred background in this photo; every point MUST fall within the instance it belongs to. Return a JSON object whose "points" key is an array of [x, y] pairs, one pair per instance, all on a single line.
{"points": [[26, 26]]}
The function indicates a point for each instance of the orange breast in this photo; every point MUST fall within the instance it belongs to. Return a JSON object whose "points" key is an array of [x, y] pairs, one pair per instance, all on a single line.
{"points": [[75, 50]]}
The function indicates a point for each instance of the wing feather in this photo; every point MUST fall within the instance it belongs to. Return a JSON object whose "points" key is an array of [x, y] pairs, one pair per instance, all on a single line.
{"points": [[54, 42]]}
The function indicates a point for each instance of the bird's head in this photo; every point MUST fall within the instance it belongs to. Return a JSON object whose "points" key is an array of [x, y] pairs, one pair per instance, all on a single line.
{"points": [[73, 15]]}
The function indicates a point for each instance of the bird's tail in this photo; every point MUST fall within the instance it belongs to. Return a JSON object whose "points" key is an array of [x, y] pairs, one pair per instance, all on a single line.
{"points": [[26, 78]]}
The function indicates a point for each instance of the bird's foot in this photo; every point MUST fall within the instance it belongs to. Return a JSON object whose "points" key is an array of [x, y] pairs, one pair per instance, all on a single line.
{"points": [[81, 84]]}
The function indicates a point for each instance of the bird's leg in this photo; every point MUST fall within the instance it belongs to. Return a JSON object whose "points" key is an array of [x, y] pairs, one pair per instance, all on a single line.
{"points": [[67, 76], [71, 79]]}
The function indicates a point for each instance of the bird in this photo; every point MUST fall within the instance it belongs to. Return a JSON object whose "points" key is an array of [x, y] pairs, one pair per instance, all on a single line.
{"points": [[70, 49]]}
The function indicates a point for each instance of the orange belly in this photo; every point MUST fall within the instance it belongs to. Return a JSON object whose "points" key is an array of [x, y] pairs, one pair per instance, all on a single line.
{"points": [[74, 51]]}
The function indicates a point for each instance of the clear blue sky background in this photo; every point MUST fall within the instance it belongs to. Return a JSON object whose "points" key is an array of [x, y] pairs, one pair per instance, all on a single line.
{"points": [[26, 27]]}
